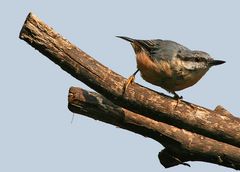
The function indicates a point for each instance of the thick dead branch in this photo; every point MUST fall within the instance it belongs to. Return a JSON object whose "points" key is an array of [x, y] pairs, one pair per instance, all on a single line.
{"points": [[180, 145], [136, 98], [218, 125]]}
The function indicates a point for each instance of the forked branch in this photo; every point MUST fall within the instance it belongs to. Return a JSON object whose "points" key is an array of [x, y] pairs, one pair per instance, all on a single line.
{"points": [[214, 125]]}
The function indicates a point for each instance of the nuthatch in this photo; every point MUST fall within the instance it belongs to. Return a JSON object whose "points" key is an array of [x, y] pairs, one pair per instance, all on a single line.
{"points": [[168, 64]]}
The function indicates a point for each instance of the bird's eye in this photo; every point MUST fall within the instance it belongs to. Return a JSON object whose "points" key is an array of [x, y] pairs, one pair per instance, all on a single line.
{"points": [[197, 59]]}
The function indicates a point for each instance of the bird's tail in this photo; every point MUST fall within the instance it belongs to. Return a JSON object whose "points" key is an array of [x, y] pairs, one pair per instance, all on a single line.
{"points": [[138, 45], [126, 38]]}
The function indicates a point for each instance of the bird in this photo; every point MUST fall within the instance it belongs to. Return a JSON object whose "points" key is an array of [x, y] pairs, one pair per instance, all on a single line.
{"points": [[168, 64]]}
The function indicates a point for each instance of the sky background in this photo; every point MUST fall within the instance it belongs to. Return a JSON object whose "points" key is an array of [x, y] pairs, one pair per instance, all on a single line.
{"points": [[35, 125]]}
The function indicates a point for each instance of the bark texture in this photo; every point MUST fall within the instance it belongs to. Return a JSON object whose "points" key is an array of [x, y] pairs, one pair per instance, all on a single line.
{"points": [[218, 125], [180, 145]]}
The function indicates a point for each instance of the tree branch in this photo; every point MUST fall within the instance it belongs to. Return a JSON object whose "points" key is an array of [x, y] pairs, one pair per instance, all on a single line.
{"points": [[217, 125], [180, 145]]}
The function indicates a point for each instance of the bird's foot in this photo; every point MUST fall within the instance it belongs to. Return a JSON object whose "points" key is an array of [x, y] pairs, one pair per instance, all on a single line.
{"points": [[178, 98], [130, 80]]}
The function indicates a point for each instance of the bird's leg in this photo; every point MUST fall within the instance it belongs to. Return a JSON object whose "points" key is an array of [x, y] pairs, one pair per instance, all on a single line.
{"points": [[130, 80]]}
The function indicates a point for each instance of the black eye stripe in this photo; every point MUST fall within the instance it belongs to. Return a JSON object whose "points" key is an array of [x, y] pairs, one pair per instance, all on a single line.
{"points": [[193, 59], [198, 59], [193, 56]]}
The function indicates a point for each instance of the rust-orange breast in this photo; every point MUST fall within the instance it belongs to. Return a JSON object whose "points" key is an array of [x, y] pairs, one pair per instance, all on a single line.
{"points": [[155, 73]]}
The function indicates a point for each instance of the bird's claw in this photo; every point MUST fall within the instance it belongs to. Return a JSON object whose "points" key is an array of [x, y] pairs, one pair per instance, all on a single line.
{"points": [[178, 98], [130, 80]]}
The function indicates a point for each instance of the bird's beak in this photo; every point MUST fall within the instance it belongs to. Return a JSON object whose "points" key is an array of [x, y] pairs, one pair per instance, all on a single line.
{"points": [[216, 62]]}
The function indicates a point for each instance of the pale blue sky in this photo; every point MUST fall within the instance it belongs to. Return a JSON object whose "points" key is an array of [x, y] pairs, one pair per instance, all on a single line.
{"points": [[35, 124]]}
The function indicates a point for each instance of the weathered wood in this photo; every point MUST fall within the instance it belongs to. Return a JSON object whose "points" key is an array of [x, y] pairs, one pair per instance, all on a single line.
{"points": [[136, 98], [218, 125], [180, 145]]}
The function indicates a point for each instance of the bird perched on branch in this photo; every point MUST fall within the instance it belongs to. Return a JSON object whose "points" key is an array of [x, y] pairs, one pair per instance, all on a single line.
{"points": [[168, 64]]}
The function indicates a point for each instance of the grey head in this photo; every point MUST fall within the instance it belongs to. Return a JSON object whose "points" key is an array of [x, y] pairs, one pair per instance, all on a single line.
{"points": [[197, 59]]}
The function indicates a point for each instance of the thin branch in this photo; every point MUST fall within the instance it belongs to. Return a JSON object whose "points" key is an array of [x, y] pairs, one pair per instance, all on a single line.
{"points": [[180, 145]]}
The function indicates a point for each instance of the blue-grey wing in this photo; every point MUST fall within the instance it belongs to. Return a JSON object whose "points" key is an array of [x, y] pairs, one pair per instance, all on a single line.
{"points": [[161, 49], [166, 50]]}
